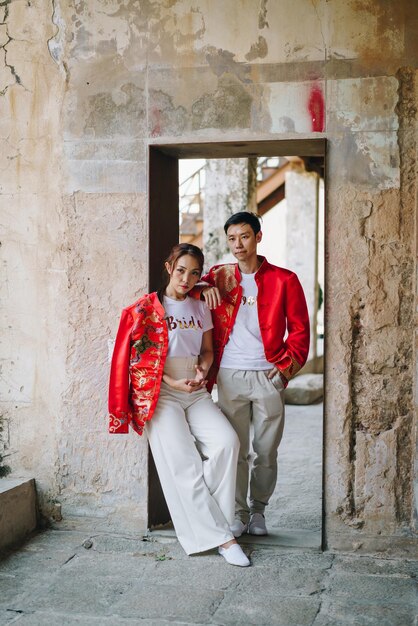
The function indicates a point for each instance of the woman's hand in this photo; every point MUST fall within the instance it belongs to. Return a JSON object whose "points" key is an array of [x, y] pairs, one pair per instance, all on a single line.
{"points": [[199, 380], [186, 385]]}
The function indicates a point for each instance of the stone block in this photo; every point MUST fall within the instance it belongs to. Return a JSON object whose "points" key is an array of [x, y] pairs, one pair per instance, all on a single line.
{"points": [[82, 594], [284, 559], [275, 610], [13, 590], [132, 150], [95, 176], [6, 617], [398, 568], [17, 511], [111, 544], [362, 104], [196, 573], [352, 614], [374, 589], [384, 545], [171, 601], [305, 389], [375, 479], [40, 618], [294, 581]]}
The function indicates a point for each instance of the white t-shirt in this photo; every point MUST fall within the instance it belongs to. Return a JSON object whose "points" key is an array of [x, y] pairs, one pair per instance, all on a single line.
{"points": [[245, 350], [186, 320]]}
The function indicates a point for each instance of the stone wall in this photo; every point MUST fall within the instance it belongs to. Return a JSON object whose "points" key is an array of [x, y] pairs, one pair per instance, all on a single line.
{"points": [[84, 88], [226, 192], [370, 307]]}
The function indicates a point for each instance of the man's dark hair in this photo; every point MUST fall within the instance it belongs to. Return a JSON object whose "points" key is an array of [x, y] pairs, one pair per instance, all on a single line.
{"points": [[244, 217]]}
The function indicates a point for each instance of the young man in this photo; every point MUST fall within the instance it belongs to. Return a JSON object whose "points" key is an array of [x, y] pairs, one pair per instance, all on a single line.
{"points": [[253, 305]]}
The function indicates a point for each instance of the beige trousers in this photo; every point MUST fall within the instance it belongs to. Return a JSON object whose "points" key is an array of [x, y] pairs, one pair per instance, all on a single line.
{"points": [[195, 450], [249, 398]]}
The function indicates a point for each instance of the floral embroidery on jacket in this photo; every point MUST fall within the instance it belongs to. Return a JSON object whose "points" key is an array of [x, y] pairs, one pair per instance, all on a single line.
{"points": [[140, 346], [137, 365]]}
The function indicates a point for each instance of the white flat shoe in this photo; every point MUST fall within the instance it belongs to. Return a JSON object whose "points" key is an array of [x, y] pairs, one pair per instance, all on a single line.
{"points": [[234, 555]]}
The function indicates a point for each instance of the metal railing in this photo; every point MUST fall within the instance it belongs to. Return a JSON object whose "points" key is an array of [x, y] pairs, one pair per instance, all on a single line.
{"points": [[266, 165], [191, 193], [192, 190]]}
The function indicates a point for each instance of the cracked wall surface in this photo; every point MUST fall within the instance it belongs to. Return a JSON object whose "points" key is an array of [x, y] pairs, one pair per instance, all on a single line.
{"points": [[84, 88]]}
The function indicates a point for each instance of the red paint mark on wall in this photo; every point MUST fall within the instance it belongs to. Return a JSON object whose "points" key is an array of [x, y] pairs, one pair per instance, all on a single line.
{"points": [[156, 128], [316, 108]]}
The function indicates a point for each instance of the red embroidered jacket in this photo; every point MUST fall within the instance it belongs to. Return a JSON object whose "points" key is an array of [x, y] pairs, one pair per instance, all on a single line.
{"points": [[137, 365], [281, 306]]}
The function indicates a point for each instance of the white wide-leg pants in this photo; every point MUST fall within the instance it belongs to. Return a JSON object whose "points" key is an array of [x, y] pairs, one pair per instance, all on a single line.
{"points": [[195, 450]]}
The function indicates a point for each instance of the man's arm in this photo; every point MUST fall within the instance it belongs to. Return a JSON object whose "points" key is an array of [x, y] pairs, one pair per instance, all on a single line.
{"points": [[296, 351], [207, 291]]}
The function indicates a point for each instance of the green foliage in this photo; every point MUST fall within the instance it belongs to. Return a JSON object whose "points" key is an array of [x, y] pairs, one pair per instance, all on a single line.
{"points": [[4, 469]]}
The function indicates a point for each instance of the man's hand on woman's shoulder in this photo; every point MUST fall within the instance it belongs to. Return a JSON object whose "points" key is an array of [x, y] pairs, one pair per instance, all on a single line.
{"points": [[212, 297]]}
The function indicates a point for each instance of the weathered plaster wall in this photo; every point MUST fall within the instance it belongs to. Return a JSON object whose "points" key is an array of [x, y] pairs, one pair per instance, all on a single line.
{"points": [[85, 86], [34, 281]]}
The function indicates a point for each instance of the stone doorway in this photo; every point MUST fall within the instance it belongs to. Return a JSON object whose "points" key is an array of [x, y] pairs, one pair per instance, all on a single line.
{"points": [[164, 232]]}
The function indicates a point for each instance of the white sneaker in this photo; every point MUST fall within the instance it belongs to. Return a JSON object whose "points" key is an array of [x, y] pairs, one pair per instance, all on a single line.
{"points": [[257, 525], [238, 528], [234, 555]]}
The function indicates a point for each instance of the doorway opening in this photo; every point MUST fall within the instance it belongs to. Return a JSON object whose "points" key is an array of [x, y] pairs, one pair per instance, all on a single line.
{"points": [[296, 508]]}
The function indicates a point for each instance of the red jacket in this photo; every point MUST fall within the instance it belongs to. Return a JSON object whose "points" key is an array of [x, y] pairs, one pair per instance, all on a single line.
{"points": [[137, 365], [281, 306]]}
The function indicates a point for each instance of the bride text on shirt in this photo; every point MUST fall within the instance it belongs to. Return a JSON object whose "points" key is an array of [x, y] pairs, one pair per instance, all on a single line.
{"points": [[182, 324]]}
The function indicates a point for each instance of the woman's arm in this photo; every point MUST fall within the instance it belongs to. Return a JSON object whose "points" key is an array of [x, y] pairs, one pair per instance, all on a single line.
{"points": [[205, 361], [183, 384], [119, 408], [206, 354]]}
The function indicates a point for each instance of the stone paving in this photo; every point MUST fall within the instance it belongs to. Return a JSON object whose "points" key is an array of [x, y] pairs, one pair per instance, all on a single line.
{"points": [[79, 573], [297, 499], [68, 577]]}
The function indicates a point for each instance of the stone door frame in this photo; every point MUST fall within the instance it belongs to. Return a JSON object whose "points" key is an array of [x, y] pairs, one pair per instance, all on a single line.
{"points": [[163, 233]]}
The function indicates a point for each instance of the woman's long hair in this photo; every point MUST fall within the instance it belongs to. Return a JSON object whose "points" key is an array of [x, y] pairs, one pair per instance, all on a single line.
{"points": [[179, 250]]}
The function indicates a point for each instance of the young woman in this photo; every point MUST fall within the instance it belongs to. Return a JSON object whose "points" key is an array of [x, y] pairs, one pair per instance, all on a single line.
{"points": [[162, 354]]}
